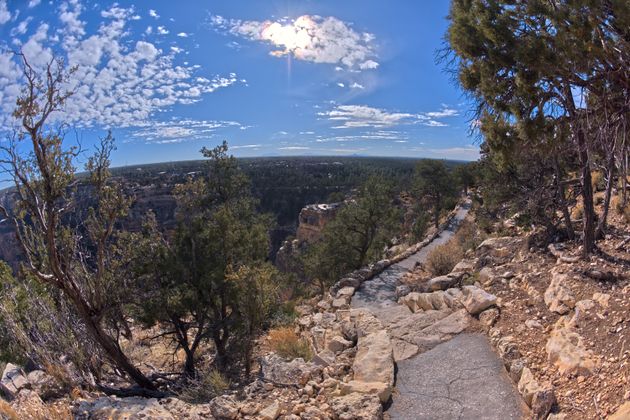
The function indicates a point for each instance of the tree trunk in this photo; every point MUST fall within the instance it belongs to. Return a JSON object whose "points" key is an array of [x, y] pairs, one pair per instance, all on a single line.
{"points": [[436, 210], [111, 347], [587, 197], [189, 366], [563, 202], [601, 225], [586, 180]]}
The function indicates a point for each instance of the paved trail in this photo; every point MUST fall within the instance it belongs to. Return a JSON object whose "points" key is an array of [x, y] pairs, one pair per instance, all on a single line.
{"points": [[460, 379]]}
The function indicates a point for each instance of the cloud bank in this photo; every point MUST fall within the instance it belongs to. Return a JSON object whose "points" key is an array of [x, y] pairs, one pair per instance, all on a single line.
{"points": [[308, 38], [118, 83]]}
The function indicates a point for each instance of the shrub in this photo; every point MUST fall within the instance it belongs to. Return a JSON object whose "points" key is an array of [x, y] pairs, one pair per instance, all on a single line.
{"points": [[287, 344], [443, 258], [468, 236], [598, 181], [204, 388], [420, 226], [617, 205], [577, 212]]}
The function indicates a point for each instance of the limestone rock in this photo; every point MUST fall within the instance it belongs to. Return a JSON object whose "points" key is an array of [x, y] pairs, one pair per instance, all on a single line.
{"points": [[345, 292], [487, 276], [622, 413], [477, 300], [271, 412], [127, 408], [428, 301], [581, 314], [279, 371], [558, 296], [403, 350], [341, 302], [500, 250], [540, 398], [489, 317], [374, 361], [516, 370], [442, 283], [337, 344], [357, 406], [508, 350], [565, 349], [224, 407], [411, 326], [602, 299], [365, 322], [381, 390], [464, 266], [324, 358], [28, 405], [13, 380], [442, 331]]}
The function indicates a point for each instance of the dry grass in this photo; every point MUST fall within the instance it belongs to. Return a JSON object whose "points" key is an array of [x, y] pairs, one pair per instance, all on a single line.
{"points": [[204, 388], [577, 212], [469, 236], [443, 258], [287, 344], [7, 412], [598, 181]]}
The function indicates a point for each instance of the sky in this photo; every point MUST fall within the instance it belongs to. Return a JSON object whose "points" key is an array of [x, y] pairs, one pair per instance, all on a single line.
{"points": [[273, 78]]}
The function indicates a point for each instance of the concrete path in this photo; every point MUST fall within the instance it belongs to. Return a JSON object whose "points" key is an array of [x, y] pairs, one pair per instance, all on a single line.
{"points": [[460, 379], [381, 290]]}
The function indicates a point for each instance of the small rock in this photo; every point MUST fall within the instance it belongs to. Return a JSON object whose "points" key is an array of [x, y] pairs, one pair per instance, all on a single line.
{"points": [[270, 412], [602, 299], [224, 407], [477, 300], [357, 406], [558, 296], [489, 317]]}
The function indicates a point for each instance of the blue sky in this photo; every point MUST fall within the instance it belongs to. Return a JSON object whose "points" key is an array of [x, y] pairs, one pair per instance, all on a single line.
{"points": [[309, 77]]}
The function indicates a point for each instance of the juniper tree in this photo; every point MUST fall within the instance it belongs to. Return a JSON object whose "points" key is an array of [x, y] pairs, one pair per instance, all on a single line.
{"points": [[78, 259], [192, 283], [434, 182], [525, 62]]}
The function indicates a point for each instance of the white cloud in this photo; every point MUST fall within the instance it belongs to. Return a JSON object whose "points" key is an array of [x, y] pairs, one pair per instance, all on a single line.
{"points": [[177, 131], [341, 85], [162, 30], [356, 116], [33, 3], [246, 146], [149, 30], [356, 85], [153, 14], [70, 12], [22, 27], [182, 35], [294, 148], [362, 116], [444, 112], [309, 38], [117, 83], [5, 15], [386, 135]]}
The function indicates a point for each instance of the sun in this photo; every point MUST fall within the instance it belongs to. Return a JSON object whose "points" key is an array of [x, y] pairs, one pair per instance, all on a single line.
{"points": [[293, 37]]}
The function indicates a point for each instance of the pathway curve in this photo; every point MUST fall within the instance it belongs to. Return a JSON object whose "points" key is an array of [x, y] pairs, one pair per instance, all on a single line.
{"points": [[459, 379]]}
